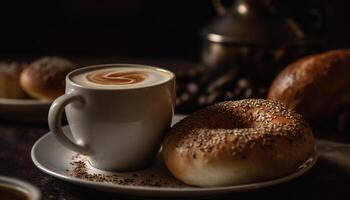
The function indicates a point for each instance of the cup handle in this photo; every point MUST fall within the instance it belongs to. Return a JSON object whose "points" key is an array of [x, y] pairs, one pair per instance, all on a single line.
{"points": [[54, 119]]}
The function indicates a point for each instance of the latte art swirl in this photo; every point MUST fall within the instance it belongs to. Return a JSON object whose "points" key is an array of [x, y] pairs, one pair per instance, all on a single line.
{"points": [[117, 78], [121, 77]]}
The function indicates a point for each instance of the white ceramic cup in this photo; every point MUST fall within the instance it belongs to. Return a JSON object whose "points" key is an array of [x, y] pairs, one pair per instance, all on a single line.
{"points": [[118, 129]]}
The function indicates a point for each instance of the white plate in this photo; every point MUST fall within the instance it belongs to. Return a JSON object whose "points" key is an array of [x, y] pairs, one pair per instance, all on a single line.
{"points": [[54, 159], [30, 110]]}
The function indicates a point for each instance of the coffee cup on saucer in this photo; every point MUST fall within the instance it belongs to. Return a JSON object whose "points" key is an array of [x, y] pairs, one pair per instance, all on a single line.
{"points": [[117, 113]]}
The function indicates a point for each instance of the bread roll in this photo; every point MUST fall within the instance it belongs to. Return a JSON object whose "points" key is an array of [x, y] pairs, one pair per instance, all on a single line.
{"points": [[317, 86], [9, 80], [44, 79]]}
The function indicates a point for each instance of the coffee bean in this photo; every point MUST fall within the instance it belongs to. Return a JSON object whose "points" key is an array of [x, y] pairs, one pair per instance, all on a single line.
{"points": [[248, 93], [213, 97], [220, 83], [229, 95], [198, 87], [243, 83], [202, 100], [185, 97], [192, 87], [178, 102]]}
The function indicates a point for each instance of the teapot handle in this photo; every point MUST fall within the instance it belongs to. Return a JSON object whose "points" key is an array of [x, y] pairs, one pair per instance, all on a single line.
{"points": [[219, 7]]}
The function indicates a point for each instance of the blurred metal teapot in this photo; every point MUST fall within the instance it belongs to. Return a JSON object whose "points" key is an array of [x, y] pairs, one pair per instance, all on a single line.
{"points": [[254, 37]]}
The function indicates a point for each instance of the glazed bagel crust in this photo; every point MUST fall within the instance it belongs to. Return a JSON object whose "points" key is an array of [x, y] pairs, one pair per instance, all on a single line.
{"points": [[237, 142], [316, 86]]}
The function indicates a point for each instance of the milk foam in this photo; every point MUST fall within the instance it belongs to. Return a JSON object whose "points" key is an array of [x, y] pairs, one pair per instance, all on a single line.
{"points": [[153, 77]]}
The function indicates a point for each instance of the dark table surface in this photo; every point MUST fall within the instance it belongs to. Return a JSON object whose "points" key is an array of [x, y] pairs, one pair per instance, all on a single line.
{"points": [[329, 179]]}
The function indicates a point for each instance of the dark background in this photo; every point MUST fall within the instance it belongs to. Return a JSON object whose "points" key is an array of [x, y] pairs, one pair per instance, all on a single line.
{"points": [[139, 28], [159, 32]]}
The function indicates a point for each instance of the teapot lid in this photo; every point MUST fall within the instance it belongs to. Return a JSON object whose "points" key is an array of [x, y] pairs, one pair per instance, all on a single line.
{"points": [[253, 22]]}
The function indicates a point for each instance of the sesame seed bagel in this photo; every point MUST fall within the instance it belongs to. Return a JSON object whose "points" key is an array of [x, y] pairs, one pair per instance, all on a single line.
{"points": [[237, 142]]}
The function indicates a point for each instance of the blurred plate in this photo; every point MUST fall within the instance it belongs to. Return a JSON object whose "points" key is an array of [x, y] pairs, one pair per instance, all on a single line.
{"points": [[19, 187], [56, 160], [30, 110]]}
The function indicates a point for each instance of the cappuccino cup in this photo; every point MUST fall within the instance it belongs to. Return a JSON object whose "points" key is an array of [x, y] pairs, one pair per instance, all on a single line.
{"points": [[117, 114]]}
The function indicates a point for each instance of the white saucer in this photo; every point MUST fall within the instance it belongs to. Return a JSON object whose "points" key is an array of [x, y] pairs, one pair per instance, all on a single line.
{"points": [[54, 159], [30, 110]]}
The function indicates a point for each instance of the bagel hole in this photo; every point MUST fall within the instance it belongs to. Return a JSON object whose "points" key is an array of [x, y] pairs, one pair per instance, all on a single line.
{"points": [[228, 122]]}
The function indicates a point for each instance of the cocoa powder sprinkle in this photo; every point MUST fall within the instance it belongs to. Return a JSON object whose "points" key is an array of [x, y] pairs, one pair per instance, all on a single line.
{"points": [[157, 177]]}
